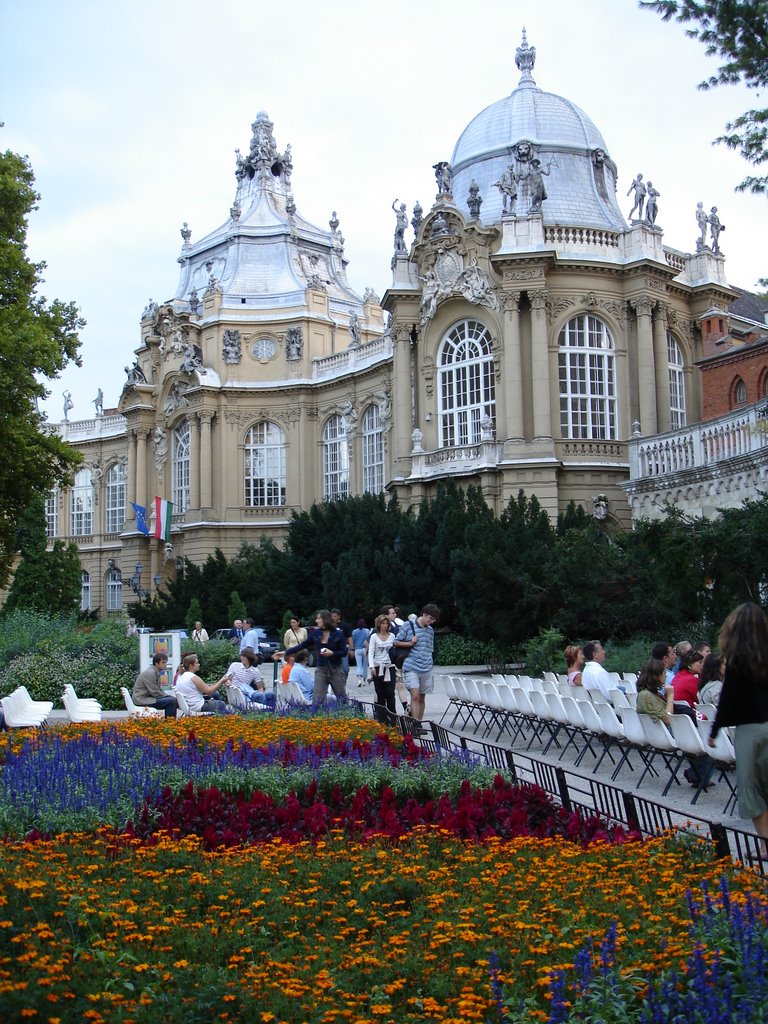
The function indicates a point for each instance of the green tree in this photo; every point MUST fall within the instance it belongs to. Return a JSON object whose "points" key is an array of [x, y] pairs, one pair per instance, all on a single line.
{"points": [[46, 581], [737, 32], [37, 340], [194, 614], [236, 609]]}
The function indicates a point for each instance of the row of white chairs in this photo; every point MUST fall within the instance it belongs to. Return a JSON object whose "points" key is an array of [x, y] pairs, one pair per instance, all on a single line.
{"points": [[20, 711], [80, 709], [547, 717], [551, 683]]}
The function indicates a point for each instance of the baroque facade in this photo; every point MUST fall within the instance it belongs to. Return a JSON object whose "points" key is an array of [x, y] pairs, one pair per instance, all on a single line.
{"points": [[529, 331]]}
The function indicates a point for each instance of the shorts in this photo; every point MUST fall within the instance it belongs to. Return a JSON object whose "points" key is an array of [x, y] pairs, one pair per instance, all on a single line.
{"points": [[424, 682]]}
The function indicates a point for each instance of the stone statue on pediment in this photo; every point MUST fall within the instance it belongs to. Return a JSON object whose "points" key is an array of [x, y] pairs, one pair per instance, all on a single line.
{"points": [[294, 344], [231, 347]]}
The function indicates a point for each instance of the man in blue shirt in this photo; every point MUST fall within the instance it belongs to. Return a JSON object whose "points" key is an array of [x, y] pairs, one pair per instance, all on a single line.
{"points": [[418, 674]]}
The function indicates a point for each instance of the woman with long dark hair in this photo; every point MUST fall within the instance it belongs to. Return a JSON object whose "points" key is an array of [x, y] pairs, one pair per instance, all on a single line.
{"points": [[329, 645], [744, 703]]}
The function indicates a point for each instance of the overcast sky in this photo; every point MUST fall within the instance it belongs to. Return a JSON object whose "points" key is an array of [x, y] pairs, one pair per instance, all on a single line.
{"points": [[130, 114]]}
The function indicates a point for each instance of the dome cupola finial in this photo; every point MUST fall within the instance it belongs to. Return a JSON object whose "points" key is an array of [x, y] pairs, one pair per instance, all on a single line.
{"points": [[525, 58]]}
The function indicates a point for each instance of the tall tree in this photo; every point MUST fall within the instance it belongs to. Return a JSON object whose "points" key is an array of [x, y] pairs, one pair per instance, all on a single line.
{"points": [[737, 32], [48, 581], [37, 340]]}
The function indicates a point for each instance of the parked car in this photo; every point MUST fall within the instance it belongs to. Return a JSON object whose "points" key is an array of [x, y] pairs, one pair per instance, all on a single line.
{"points": [[220, 634]]}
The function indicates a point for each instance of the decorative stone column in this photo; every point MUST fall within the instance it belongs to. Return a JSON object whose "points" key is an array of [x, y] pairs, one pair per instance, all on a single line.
{"points": [[542, 419], [131, 482], [194, 463], [513, 366], [205, 458], [141, 467], [402, 422], [646, 376], [661, 364]]}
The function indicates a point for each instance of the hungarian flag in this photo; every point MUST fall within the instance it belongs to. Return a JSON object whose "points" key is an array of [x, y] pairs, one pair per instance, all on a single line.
{"points": [[163, 514], [141, 518]]}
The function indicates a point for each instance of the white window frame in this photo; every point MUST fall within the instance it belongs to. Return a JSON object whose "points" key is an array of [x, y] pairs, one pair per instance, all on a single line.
{"points": [[264, 466], [678, 417], [81, 506], [85, 591], [52, 514], [587, 380], [114, 498], [335, 460], [114, 590], [180, 466], [373, 451], [466, 384]]}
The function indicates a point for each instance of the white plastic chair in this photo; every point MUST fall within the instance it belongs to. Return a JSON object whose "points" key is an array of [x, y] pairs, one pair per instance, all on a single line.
{"points": [[80, 710], [136, 711], [39, 706], [663, 744], [236, 698], [690, 741], [184, 709], [18, 714], [724, 757]]}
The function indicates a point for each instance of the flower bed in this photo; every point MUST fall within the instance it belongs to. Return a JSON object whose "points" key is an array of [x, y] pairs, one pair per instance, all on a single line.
{"points": [[420, 924]]}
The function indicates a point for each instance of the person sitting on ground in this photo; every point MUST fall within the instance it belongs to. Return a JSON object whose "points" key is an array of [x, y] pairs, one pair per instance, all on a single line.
{"points": [[199, 695], [711, 679], [301, 676], [574, 662], [593, 675], [686, 681], [655, 696], [148, 691], [245, 675]]}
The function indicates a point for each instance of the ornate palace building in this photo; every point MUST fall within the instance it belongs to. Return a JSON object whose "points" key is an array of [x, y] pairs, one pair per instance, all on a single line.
{"points": [[528, 333]]}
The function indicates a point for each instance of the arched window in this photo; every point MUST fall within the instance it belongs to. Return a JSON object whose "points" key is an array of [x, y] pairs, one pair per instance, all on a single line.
{"points": [[467, 383], [180, 467], [373, 451], [114, 498], [676, 383], [114, 590], [739, 392], [335, 460], [587, 371], [85, 591], [82, 504], [52, 514], [264, 476]]}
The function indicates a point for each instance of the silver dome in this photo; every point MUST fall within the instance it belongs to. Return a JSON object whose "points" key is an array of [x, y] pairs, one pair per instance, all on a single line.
{"points": [[581, 185]]}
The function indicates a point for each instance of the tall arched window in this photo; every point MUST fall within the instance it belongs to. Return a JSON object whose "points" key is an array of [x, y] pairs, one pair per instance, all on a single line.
{"points": [[467, 383], [587, 371], [82, 504], [114, 498], [676, 383], [85, 591], [373, 451], [335, 460], [180, 468], [739, 392], [264, 475], [114, 590]]}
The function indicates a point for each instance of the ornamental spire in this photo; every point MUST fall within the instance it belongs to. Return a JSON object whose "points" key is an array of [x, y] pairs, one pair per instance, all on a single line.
{"points": [[525, 58]]}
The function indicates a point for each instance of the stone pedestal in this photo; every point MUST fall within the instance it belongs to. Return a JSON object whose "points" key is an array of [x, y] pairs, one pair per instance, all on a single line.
{"points": [[522, 234]]}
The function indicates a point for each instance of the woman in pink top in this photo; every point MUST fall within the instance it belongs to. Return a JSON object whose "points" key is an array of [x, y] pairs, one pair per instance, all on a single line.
{"points": [[686, 681], [574, 662]]}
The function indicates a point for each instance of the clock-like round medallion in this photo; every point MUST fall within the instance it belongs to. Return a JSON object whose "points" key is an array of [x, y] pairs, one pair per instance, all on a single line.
{"points": [[263, 349]]}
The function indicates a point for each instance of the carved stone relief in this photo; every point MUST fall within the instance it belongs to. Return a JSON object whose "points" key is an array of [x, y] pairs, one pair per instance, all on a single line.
{"points": [[231, 347], [294, 344], [428, 375], [557, 306]]}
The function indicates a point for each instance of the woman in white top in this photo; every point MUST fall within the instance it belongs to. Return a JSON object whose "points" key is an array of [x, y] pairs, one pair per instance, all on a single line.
{"points": [[199, 695], [199, 635], [382, 671]]}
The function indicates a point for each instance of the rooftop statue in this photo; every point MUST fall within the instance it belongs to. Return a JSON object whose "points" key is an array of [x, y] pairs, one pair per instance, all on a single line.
{"points": [[68, 403], [98, 401], [135, 374], [507, 185], [702, 220], [650, 207], [418, 217], [474, 200], [638, 187], [443, 177], [185, 232], [400, 226], [715, 228]]}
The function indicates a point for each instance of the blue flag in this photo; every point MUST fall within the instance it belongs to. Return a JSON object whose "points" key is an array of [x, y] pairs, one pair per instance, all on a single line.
{"points": [[141, 518]]}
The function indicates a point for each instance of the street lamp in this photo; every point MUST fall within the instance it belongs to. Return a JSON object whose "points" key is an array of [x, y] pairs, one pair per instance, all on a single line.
{"points": [[157, 579]]}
